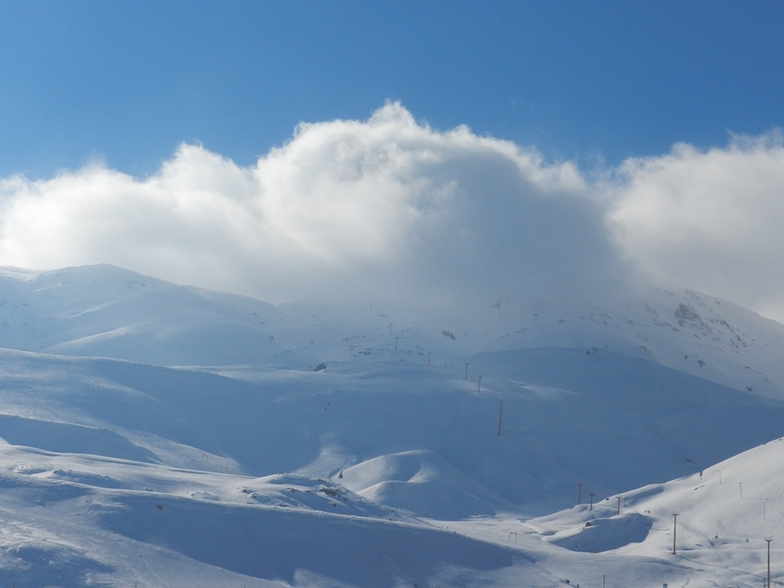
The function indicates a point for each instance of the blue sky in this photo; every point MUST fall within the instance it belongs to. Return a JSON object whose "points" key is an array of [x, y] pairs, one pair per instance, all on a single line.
{"points": [[603, 143], [129, 81]]}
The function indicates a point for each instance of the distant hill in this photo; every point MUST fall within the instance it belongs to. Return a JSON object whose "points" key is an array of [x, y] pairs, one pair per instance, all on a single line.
{"points": [[106, 311]]}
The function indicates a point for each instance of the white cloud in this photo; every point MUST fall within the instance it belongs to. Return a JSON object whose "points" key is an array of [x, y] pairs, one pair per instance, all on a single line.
{"points": [[386, 205], [392, 208], [708, 220]]}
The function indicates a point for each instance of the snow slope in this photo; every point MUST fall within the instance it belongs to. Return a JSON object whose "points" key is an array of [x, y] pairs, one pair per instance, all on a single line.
{"points": [[604, 419], [725, 513], [72, 521], [355, 445], [80, 521], [111, 312], [691, 332]]}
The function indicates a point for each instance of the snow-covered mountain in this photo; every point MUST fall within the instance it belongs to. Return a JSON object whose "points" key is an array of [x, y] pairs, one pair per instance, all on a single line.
{"points": [[165, 435], [110, 312], [106, 311]]}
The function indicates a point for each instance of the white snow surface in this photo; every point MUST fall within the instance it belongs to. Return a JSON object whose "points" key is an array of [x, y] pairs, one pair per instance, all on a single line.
{"points": [[163, 435]]}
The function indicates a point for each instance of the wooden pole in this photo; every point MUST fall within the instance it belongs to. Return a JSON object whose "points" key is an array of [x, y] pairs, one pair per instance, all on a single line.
{"points": [[500, 416], [674, 531]]}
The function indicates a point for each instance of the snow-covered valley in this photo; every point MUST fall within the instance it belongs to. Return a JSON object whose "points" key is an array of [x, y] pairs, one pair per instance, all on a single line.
{"points": [[161, 435]]}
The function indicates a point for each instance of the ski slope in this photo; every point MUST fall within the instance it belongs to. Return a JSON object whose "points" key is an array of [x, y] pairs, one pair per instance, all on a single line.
{"points": [[725, 514], [162, 435]]}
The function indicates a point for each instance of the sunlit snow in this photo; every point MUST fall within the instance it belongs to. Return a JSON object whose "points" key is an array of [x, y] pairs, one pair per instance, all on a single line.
{"points": [[161, 435]]}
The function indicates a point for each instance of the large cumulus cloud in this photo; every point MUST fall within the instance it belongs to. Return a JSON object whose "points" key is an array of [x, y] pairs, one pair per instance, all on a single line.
{"points": [[384, 206], [710, 220]]}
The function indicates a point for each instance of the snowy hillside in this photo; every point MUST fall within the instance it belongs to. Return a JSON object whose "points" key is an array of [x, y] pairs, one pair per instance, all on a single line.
{"points": [[164, 435], [694, 333], [725, 514], [110, 312], [605, 419]]}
